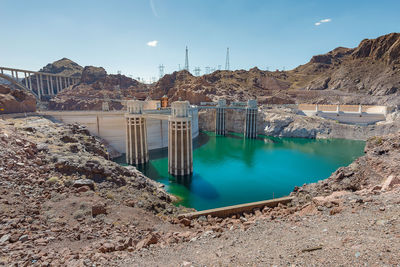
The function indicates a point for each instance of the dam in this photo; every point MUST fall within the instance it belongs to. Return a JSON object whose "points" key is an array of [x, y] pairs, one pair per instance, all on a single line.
{"points": [[229, 162]]}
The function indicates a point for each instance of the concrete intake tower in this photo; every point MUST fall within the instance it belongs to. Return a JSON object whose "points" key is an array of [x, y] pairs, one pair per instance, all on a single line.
{"points": [[180, 145], [136, 134]]}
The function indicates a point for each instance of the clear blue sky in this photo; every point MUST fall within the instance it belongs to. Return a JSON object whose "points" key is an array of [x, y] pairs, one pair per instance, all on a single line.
{"points": [[114, 34]]}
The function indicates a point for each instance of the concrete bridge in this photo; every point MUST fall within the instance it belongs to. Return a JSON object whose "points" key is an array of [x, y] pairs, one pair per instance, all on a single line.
{"points": [[39, 83]]}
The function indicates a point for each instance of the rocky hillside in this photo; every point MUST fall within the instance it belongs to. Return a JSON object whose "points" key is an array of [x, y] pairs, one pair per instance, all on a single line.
{"points": [[16, 101], [369, 73], [63, 66], [96, 87], [62, 200]]}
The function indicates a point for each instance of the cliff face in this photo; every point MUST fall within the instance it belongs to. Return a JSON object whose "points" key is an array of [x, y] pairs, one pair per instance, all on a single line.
{"points": [[16, 101]]}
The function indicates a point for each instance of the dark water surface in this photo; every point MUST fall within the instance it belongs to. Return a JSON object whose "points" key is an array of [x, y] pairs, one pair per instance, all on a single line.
{"points": [[233, 170]]}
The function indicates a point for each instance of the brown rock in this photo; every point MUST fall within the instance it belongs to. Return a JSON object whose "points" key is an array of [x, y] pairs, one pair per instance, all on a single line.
{"points": [[99, 208], [335, 210]]}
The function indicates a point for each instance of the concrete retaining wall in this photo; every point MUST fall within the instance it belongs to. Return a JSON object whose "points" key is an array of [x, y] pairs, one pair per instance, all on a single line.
{"points": [[238, 209]]}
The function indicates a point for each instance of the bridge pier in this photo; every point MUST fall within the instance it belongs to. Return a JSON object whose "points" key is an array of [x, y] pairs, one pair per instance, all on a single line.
{"points": [[250, 123], [180, 144], [220, 117], [136, 134]]}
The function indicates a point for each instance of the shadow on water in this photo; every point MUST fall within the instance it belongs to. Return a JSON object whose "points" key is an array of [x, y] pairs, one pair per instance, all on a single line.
{"points": [[196, 185]]}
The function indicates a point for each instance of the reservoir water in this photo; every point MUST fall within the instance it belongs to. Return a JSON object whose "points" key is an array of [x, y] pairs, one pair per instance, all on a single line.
{"points": [[232, 170]]}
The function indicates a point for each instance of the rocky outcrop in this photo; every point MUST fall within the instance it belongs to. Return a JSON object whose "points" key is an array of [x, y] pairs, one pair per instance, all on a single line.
{"points": [[385, 48], [92, 74], [377, 170], [96, 87], [63, 66], [16, 101], [368, 73]]}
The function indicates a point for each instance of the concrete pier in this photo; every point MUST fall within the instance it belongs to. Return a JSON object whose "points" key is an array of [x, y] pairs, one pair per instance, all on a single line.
{"points": [[250, 123], [136, 134], [220, 117], [180, 145]]}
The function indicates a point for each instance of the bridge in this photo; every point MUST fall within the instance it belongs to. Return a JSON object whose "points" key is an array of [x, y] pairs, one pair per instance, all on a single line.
{"points": [[38, 83]]}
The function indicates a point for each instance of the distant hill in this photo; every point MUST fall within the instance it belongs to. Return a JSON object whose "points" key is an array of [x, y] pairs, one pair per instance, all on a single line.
{"points": [[367, 74]]}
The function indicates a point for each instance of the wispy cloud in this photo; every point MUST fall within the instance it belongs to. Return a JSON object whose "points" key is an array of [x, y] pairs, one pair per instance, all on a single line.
{"points": [[322, 21], [152, 43]]}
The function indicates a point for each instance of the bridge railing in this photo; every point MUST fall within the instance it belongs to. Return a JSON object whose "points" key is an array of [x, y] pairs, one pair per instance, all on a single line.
{"points": [[40, 83]]}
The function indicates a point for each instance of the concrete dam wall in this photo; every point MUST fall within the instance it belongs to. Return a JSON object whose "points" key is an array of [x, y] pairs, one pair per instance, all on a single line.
{"points": [[110, 125]]}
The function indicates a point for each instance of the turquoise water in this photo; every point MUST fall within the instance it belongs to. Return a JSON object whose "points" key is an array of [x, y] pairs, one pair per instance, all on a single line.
{"points": [[232, 170]]}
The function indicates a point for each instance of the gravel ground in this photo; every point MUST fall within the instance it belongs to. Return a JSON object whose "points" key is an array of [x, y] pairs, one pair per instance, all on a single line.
{"points": [[365, 233]]}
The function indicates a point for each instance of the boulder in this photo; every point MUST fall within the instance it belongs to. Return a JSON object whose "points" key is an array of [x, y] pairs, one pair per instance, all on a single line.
{"points": [[83, 182], [16, 101]]}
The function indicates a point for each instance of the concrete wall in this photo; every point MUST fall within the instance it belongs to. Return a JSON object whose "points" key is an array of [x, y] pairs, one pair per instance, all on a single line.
{"points": [[234, 121], [347, 113], [110, 125]]}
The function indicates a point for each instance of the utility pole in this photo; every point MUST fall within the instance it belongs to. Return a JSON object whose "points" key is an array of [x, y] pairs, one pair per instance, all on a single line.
{"points": [[161, 69], [227, 67], [187, 60], [197, 71]]}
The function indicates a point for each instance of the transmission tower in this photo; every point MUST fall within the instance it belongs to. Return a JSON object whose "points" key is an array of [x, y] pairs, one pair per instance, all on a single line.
{"points": [[227, 59], [186, 60], [161, 68], [197, 71], [219, 67]]}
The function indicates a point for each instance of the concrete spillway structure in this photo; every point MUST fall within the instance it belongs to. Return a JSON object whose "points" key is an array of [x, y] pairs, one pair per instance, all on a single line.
{"points": [[220, 117], [136, 134], [180, 145], [250, 123]]}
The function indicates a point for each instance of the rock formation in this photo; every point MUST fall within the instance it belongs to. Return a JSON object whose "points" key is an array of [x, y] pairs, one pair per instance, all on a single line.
{"points": [[63, 66], [369, 74], [16, 101], [96, 87]]}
